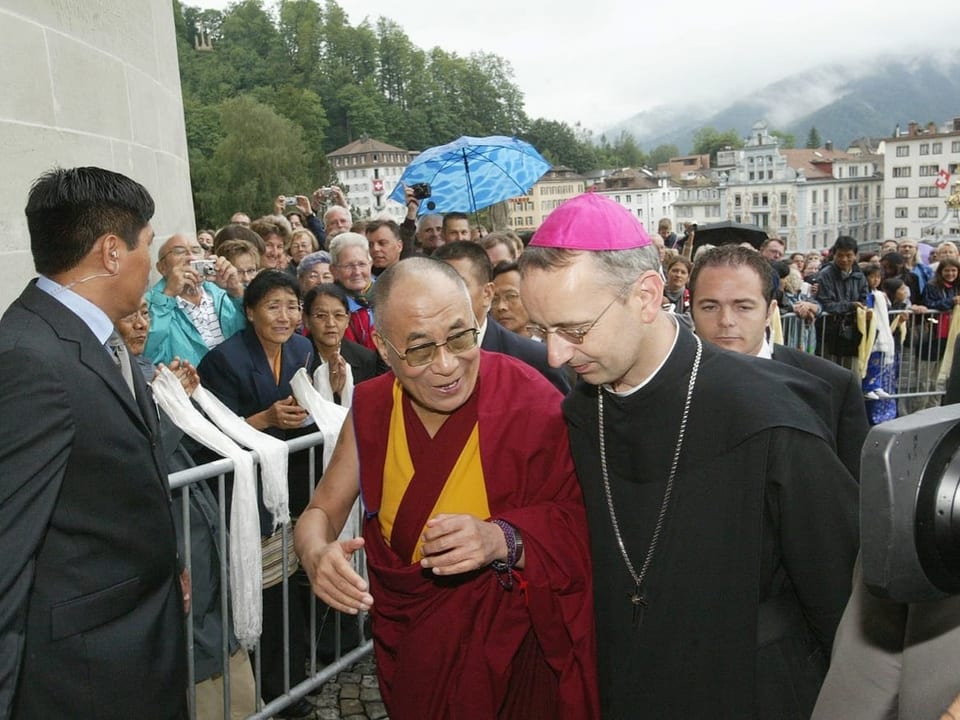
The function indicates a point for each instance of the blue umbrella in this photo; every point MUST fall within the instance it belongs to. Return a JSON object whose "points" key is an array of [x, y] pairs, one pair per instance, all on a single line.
{"points": [[473, 173]]}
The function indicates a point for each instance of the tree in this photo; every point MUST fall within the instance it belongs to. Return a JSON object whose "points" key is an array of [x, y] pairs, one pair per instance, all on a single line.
{"points": [[558, 143], [663, 153], [260, 156], [707, 141], [788, 141], [813, 139]]}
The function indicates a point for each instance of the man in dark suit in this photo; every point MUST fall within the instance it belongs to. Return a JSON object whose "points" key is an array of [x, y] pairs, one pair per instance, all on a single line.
{"points": [[91, 610], [731, 299], [470, 260]]}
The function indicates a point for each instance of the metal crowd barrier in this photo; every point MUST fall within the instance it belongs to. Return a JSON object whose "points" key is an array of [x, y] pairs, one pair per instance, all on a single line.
{"points": [[915, 362], [182, 484]]}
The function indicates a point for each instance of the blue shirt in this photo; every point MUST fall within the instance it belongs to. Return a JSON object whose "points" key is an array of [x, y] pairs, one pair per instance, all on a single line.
{"points": [[93, 317]]}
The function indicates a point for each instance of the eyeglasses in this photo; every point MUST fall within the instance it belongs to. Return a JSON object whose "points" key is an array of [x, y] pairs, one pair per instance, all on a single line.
{"points": [[276, 308], [181, 251], [510, 297], [324, 316], [248, 273], [423, 354], [141, 314], [576, 335], [351, 267]]}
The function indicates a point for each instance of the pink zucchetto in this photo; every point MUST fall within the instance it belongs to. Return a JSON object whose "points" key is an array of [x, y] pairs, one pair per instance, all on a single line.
{"points": [[591, 222]]}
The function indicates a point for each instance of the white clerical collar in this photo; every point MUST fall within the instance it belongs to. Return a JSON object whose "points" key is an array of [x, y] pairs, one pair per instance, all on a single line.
{"points": [[766, 350], [483, 332], [651, 376]]}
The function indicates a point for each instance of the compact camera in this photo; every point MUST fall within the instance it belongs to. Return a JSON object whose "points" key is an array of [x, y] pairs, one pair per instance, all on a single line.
{"points": [[204, 268], [289, 200], [421, 191]]}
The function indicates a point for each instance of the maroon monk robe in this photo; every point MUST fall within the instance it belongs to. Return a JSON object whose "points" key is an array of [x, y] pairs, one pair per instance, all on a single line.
{"points": [[463, 647]]}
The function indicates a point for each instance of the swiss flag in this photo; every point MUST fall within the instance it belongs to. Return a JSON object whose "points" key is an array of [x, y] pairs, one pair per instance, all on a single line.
{"points": [[378, 186], [943, 179]]}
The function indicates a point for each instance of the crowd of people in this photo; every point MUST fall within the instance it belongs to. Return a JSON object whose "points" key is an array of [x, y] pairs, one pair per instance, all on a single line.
{"points": [[673, 535]]}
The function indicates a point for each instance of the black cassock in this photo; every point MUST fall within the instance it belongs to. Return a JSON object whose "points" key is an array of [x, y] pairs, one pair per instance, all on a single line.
{"points": [[752, 570]]}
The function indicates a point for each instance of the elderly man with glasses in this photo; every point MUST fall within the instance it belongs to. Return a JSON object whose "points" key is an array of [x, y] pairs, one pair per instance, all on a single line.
{"points": [[723, 526], [196, 305], [474, 527]]}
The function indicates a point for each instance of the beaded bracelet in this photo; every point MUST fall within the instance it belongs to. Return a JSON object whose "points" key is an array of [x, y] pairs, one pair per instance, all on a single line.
{"points": [[504, 568]]}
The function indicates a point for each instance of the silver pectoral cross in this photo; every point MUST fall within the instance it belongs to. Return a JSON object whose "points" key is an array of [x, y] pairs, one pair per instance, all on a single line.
{"points": [[639, 602]]}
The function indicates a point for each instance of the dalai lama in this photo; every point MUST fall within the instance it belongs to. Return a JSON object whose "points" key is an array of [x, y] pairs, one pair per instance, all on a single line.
{"points": [[474, 527]]}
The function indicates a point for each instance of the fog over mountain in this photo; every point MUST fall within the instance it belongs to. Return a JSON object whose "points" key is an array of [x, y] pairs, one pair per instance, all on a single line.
{"points": [[843, 101]]}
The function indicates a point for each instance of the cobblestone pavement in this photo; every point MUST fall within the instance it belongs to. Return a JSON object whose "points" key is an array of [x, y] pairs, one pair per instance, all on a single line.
{"points": [[353, 695]]}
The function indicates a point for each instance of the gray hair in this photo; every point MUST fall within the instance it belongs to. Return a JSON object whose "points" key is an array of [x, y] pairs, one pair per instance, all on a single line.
{"points": [[311, 261], [348, 240], [615, 267], [423, 219], [333, 210]]}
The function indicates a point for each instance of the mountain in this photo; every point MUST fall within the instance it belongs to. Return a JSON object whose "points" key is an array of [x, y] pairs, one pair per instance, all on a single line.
{"points": [[843, 101]]}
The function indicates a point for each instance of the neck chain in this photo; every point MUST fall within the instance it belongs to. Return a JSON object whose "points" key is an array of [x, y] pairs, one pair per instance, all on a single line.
{"points": [[637, 597]]}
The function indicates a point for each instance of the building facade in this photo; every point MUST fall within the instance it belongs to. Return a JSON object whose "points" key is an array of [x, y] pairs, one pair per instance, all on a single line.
{"points": [[921, 172], [527, 212], [369, 170], [808, 197]]}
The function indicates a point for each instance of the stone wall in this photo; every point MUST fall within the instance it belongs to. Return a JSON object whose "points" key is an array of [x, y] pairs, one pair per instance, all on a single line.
{"points": [[88, 82]]}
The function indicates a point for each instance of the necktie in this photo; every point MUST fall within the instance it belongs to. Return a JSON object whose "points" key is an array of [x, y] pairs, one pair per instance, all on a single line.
{"points": [[121, 358]]}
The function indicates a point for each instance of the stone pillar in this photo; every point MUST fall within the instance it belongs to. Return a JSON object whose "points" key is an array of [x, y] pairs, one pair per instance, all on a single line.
{"points": [[88, 82]]}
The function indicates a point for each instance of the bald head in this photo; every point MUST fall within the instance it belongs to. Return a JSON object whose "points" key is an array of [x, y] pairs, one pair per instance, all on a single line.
{"points": [[420, 281], [178, 250]]}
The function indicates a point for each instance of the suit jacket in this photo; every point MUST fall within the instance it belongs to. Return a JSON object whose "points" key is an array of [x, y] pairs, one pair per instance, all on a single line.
{"points": [[498, 339], [849, 420], [237, 371], [91, 615], [892, 660]]}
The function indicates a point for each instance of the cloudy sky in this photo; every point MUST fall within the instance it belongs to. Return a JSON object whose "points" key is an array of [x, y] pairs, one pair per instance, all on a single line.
{"points": [[601, 61]]}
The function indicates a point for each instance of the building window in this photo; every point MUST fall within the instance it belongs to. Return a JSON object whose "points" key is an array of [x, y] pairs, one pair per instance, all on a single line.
{"points": [[955, 146], [937, 148], [629, 199], [826, 217], [765, 200], [902, 171], [783, 220], [924, 148], [903, 151], [756, 199], [900, 212], [901, 192], [813, 219], [899, 232], [853, 171], [855, 193], [927, 212], [929, 191], [840, 195], [737, 201], [928, 170], [783, 198], [752, 175], [738, 218], [769, 174]]}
